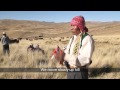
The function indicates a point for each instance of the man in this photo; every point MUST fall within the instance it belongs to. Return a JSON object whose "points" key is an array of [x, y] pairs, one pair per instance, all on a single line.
{"points": [[79, 51], [5, 42]]}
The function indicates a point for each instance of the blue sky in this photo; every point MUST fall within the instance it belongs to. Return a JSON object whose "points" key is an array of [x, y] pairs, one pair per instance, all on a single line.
{"points": [[61, 16]]}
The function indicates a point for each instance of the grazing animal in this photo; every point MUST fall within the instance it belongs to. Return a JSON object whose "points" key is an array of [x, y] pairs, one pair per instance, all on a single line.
{"points": [[14, 41], [33, 49]]}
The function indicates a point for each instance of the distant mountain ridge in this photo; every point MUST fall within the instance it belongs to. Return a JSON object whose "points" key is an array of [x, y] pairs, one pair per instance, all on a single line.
{"points": [[26, 28]]}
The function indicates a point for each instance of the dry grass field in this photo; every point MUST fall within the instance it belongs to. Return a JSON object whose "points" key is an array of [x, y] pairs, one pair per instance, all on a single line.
{"points": [[106, 57]]}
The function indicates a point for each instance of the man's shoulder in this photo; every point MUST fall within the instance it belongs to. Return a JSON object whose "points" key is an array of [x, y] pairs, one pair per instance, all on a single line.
{"points": [[72, 37], [7, 36], [89, 37], [2, 37]]}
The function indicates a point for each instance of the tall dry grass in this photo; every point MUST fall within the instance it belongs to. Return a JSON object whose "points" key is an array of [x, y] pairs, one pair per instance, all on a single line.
{"points": [[20, 58], [105, 57]]}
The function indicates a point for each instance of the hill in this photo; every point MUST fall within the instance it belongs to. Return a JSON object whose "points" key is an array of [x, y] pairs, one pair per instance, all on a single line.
{"points": [[25, 28]]}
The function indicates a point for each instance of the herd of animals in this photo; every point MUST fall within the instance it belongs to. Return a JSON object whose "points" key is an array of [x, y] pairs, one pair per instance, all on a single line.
{"points": [[31, 48]]}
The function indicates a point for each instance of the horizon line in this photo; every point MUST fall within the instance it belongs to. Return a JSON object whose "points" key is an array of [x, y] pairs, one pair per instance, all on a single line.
{"points": [[55, 21]]}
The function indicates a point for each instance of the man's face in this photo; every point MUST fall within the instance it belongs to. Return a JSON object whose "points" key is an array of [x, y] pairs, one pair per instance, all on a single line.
{"points": [[75, 30]]}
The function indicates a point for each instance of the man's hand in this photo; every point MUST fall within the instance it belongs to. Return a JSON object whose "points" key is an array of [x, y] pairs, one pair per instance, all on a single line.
{"points": [[59, 56], [62, 58]]}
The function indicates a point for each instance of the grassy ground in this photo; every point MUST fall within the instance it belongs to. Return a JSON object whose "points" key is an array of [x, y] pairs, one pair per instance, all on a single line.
{"points": [[105, 58]]}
